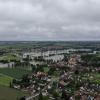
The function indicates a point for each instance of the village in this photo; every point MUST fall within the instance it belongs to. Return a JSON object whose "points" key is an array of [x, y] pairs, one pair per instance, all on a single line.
{"points": [[49, 50], [51, 73], [58, 75]]}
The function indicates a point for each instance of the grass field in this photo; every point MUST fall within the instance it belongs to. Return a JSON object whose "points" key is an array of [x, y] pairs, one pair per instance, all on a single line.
{"points": [[46, 69], [7, 93], [14, 73], [96, 77], [6, 76], [5, 80]]}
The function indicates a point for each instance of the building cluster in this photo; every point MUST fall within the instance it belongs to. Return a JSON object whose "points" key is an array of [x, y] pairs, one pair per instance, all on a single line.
{"points": [[69, 76]]}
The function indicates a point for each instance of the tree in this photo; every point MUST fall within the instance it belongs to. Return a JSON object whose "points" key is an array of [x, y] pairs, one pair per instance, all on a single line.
{"points": [[51, 71], [76, 77], [76, 72], [63, 96], [25, 78], [22, 98], [25, 82], [33, 68], [45, 98], [40, 96], [10, 84], [55, 94], [66, 58]]}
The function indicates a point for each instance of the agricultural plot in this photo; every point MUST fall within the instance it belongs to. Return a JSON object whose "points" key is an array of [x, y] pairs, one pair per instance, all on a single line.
{"points": [[7, 93], [6, 76], [14, 73]]}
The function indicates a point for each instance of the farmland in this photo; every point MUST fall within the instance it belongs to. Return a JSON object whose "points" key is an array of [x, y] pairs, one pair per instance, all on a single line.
{"points": [[7, 93], [15, 72], [6, 76]]}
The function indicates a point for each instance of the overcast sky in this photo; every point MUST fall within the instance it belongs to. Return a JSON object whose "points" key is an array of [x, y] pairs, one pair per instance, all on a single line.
{"points": [[49, 20]]}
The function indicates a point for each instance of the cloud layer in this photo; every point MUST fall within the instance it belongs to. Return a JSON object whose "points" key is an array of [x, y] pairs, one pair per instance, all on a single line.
{"points": [[49, 20]]}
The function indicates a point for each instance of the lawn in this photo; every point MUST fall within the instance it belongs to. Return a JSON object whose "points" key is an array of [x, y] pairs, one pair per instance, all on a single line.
{"points": [[97, 75], [5, 80], [55, 78], [46, 69], [96, 78], [7, 93], [15, 73]]}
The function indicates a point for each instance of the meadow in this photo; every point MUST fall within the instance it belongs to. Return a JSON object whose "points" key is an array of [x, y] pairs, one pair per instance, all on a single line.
{"points": [[5, 80], [9, 57]]}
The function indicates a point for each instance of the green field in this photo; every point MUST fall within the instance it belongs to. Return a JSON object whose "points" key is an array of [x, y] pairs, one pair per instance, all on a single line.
{"points": [[6, 76], [5, 80], [96, 78], [9, 57], [7, 93], [14, 73], [46, 69]]}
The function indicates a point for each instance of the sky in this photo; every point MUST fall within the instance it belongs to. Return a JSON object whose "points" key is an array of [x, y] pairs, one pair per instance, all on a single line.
{"points": [[49, 20]]}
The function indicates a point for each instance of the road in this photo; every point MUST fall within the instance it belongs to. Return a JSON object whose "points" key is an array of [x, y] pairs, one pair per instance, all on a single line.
{"points": [[31, 97]]}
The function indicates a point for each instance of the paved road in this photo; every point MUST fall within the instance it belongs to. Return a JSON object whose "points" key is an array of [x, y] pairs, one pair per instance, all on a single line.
{"points": [[31, 97]]}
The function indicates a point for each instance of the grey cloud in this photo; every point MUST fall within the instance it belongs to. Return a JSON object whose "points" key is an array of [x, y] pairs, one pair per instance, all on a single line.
{"points": [[49, 20]]}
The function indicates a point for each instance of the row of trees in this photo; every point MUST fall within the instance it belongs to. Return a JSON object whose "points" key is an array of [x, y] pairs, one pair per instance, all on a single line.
{"points": [[56, 96], [91, 60]]}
